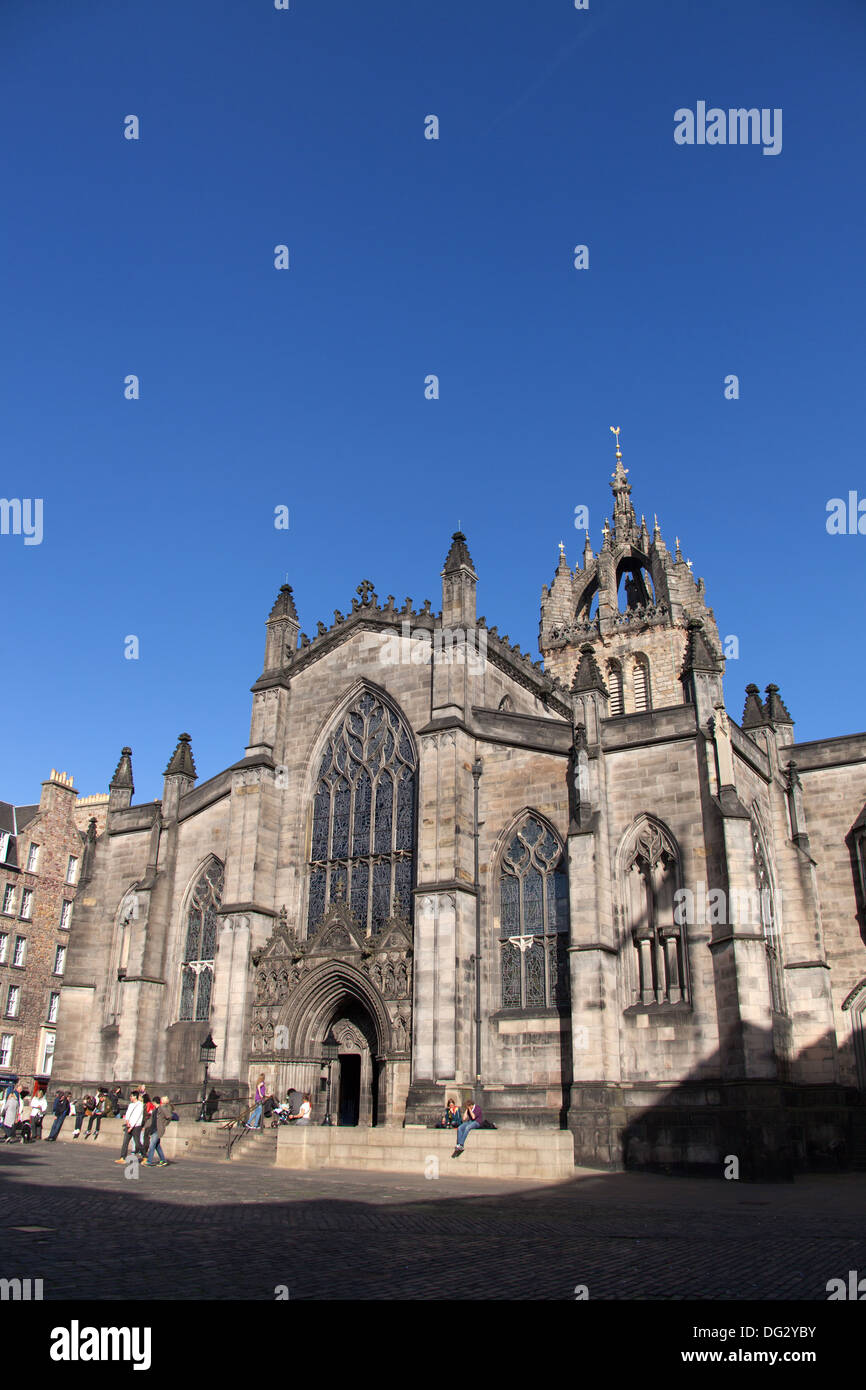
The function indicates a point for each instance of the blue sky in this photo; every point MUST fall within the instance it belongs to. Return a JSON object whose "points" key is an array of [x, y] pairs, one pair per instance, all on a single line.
{"points": [[305, 388]]}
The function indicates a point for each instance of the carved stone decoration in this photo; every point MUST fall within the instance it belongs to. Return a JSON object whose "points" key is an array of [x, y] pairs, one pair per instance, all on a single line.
{"points": [[349, 1037], [284, 963], [401, 1030]]}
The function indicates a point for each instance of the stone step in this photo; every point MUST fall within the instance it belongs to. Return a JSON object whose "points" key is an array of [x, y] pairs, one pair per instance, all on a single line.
{"points": [[256, 1148]]}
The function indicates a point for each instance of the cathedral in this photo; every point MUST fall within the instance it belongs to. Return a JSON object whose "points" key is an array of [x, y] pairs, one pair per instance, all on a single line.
{"points": [[577, 888]]}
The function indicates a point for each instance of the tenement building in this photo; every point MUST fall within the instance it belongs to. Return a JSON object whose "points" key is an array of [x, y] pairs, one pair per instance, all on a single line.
{"points": [[580, 886], [41, 850]]}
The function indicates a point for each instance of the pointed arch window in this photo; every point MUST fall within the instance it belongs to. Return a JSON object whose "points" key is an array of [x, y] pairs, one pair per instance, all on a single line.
{"points": [[363, 836], [859, 852], [768, 921], [196, 971], [533, 918], [660, 954], [614, 685]]}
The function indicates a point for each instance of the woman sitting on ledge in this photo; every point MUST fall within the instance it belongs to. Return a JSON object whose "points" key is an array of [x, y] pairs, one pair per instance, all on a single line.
{"points": [[472, 1118]]}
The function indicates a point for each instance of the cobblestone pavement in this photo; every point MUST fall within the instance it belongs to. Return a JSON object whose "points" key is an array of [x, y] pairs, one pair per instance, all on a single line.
{"points": [[217, 1230]]}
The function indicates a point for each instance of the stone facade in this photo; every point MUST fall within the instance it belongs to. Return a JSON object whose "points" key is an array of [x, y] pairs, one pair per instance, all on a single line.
{"points": [[580, 887]]}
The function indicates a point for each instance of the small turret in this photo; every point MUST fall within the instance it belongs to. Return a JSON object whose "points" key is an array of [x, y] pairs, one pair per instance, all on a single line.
{"points": [[180, 776], [121, 786], [282, 631], [459, 582]]}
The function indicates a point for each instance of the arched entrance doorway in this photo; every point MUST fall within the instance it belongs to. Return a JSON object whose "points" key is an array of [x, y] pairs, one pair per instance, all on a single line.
{"points": [[355, 1099], [342, 988]]}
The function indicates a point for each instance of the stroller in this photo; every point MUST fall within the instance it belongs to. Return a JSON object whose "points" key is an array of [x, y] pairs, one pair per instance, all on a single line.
{"points": [[286, 1111]]}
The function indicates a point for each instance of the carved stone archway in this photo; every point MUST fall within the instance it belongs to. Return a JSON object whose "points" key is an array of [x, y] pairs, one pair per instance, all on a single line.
{"points": [[340, 980]]}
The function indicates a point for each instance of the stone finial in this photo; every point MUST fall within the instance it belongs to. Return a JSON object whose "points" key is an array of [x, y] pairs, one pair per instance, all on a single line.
{"points": [[123, 772], [284, 606], [458, 556], [753, 711], [775, 708], [588, 676], [699, 654], [181, 762]]}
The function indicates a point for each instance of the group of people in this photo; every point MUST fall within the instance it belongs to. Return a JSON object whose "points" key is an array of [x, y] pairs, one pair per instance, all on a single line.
{"points": [[144, 1124], [472, 1118], [295, 1107], [91, 1108], [21, 1114], [144, 1120]]}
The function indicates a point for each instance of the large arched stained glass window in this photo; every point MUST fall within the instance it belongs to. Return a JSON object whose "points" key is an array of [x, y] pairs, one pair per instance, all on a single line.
{"points": [[196, 971], [533, 919], [364, 818]]}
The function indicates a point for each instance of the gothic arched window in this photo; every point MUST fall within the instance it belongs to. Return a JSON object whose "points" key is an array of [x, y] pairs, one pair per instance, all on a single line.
{"points": [[533, 918], [650, 868], [364, 818], [767, 912], [196, 971]]}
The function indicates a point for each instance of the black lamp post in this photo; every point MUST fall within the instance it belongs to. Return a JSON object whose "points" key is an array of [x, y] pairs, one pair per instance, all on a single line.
{"points": [[207, 1053], [330, 1053]]}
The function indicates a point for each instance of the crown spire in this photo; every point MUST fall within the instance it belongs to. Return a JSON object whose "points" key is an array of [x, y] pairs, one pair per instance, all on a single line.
{"points": [[624, 519]]}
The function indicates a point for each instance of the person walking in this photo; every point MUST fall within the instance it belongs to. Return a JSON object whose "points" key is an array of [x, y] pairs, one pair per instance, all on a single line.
{"points": [[133, 1121], [62, 1108], [472, 1117], [255, 1118], [161, 1121], [38, 1106]]}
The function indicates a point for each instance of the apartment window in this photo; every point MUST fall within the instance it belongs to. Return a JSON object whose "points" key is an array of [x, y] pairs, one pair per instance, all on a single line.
{"points": [[27, 903], [32, 859], [6, 1050], [53, 1005], [13, 1001], [20, 953], [59, 959], [47, 1053], [66, 914], [9, 899], [4, 946], [4, 845], [71, 869]]}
